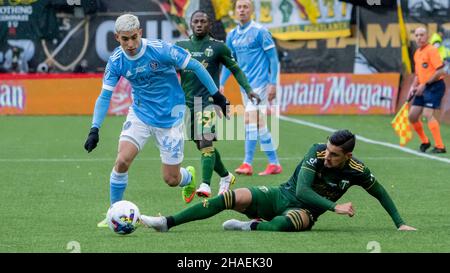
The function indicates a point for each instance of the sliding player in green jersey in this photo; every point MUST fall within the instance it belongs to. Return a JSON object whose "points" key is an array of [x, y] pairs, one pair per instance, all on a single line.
{"points": [[212, 54], [325, 174]]}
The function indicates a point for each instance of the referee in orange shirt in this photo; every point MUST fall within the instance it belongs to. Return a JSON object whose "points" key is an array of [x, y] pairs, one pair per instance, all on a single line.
{"points": [[428, 88]]}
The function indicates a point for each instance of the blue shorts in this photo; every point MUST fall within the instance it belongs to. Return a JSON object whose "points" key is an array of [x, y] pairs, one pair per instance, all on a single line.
{"points": [[432, 95]]}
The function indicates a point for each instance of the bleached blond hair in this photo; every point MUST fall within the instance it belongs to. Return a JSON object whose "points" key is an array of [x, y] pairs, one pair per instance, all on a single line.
{"points": [[126, 22]]}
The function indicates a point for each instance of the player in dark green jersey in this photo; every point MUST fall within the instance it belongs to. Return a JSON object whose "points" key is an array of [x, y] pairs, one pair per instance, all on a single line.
{"points": [[212, 54], [325, 173]]}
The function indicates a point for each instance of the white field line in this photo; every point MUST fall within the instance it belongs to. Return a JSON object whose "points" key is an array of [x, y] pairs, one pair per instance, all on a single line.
{"points": [[293, 120], [367, 140], [111, 159]]}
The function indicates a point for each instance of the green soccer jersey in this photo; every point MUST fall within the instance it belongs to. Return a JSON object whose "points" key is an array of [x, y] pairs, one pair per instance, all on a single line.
{"points": [[316, 187], [212, 54]]}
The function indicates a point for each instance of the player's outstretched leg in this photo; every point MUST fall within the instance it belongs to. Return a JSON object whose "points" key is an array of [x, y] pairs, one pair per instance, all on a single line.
{"points": [[202, 210]]}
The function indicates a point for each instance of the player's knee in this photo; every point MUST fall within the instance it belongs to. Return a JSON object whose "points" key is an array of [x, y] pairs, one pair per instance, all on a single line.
{"points": [[413, 118], [299, 220], [122, 165]]}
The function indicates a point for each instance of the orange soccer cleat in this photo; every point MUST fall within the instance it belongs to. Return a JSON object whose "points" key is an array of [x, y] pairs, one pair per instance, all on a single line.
{"points": [[245, 169], [272, 169]]}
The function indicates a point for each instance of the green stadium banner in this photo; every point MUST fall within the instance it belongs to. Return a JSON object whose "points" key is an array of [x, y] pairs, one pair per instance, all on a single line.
{"points": [[303, 19]]}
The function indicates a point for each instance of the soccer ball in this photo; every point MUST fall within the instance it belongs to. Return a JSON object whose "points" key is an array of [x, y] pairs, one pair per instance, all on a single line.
{"points": [[123, 217]]}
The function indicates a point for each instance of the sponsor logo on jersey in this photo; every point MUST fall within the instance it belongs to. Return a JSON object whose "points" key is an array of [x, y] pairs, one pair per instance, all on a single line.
{"points": [[197, 54], [140, 69], [312, 161]]}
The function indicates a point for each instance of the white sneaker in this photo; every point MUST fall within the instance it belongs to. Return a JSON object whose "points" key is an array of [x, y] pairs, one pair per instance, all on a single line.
{"points": [[158, 223], [226, 182], [234, 224], [204, 190]]}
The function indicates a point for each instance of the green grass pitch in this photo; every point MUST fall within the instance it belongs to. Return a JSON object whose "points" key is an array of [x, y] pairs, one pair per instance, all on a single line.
{"points": [[53, 192]]}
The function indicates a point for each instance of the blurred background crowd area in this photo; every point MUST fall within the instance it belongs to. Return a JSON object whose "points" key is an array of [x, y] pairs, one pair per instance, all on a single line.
{"points": [[312, 36]]}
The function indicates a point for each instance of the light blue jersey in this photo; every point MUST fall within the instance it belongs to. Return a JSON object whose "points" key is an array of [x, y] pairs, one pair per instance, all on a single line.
{"points": [[156, 90], [249, 44]]}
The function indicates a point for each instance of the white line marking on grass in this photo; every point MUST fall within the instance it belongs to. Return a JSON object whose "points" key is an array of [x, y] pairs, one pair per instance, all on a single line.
{"points": [[68, 160], [367, 140]]}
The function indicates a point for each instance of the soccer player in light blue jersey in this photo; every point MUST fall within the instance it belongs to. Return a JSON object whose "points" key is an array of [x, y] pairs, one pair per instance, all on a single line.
{"points": [[254, 49], [158, 105]]}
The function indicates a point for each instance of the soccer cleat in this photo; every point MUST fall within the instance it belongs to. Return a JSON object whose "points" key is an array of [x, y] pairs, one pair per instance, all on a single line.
{"points": [[103, 223], [424, 147], [245, 169], [204, 190], [272, 169], [234, 224], [188, 191], [437, 150], [226, 182], [158, 223]]}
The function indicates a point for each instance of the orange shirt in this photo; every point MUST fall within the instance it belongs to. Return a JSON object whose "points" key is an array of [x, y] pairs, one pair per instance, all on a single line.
{"points": [[426, 61]]}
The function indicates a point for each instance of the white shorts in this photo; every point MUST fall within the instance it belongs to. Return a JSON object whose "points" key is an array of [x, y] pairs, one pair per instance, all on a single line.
{"points": [[169, 141], [263, 95]]}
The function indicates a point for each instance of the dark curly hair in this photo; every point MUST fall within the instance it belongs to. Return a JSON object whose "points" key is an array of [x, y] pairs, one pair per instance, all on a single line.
{"points": [[344, 139]]}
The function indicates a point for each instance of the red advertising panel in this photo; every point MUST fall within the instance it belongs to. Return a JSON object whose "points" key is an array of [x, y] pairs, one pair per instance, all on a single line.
{"points": [[338, 93], [58, 94], [332, 93]]}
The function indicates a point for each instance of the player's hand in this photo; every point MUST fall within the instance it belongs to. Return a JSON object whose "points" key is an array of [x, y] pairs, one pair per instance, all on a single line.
{"points": [[405, 227], [222, 90], [272, 92], [222, 102], [346, 208], [253, 97], [420, 89], [92, 140]]}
